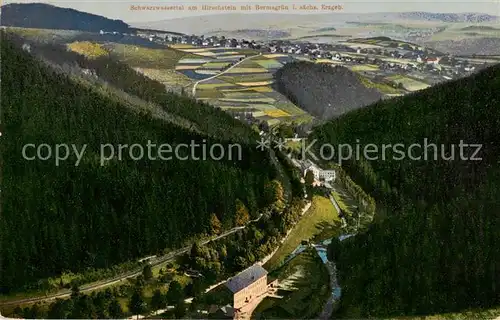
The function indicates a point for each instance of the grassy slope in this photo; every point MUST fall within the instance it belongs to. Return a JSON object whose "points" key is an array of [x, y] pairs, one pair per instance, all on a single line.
{"points": [[149, 58], [319, 219]]}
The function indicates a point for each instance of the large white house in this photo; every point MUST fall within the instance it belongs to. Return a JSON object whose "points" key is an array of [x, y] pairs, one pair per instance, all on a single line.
{"points": [[327, 175], [319, 174]]}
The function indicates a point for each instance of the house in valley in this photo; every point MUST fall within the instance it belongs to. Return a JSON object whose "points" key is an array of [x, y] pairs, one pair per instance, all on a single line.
{"points": [[249, 288]]}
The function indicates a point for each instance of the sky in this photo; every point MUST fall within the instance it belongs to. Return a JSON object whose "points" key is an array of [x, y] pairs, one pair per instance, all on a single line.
{"points": [[116, 9]]}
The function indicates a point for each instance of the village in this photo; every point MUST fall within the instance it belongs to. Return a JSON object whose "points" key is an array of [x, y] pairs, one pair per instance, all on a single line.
{"points": [[381, 55]]}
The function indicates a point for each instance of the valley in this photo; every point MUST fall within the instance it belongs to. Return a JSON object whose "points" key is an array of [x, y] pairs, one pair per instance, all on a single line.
{"points": [[192, 236]]}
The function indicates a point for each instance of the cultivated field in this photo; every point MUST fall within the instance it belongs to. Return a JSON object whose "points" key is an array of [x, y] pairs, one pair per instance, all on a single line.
{"points": [[88, 49], [408, 83], [242, 88]]}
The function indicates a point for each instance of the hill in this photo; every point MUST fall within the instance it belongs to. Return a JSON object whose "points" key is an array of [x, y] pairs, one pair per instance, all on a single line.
{"points": [[434, 246], [92, 214], [212, 121], [470, 17], [46, 16], [479, 28], [322, 90], [289, 23], [467, 46]]}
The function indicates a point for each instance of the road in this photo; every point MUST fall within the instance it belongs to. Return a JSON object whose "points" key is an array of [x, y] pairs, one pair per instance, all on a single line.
{"points": [[100, 285], [262, 262], [223, 72]]}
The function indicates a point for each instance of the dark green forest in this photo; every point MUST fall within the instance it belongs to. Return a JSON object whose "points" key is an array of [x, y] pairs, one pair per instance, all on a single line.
{"points": [[216, 260], [435, 244], [70, 218], [46, 16], [323, 91]]}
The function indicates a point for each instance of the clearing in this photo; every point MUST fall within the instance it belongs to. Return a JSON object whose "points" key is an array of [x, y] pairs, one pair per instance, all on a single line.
{"points": [[320, 222]]}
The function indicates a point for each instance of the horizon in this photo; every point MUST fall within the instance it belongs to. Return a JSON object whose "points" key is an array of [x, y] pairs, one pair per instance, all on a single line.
{"points": [[111, 10]]}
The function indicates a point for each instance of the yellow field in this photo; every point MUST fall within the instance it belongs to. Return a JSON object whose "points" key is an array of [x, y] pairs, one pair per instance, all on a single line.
{"points": [[329, 61], [202, 86], [274, 55], [263, 89], [205, 53], [255, 84], [245, 89], [224, 53], [276, 113], [195, 50], [365, 67], [186, 67], [247, 70], [88, 49], [237, 89], [181, 46], [198, 49]]}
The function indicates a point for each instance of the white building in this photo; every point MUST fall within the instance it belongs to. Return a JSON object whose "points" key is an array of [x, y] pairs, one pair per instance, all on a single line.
{"points": [[26, 47], [327, 175], [315, 170], [319, 174]]}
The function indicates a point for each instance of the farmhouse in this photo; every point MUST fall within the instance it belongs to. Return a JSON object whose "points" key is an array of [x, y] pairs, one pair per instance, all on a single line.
{"points": [[249, 287]]}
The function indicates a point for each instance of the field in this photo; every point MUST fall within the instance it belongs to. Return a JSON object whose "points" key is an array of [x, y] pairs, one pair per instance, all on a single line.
{"points": [[181, 46], [247, 70], [320, 221], [186, 67], [256, 89], [168, 77], [142, 57], [381, 87], [408, 83], [365, 67], [88, 49], [216, 65], [245, 87], [269, 63]]}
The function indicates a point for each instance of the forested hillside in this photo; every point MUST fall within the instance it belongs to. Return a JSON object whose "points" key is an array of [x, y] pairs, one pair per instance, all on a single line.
{"points": [[46, 16], [67, 217], [322, 90], [435, 246], [213, 121]]}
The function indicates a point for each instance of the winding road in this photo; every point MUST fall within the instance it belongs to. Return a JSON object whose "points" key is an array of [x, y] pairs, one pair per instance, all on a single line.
{"points": [[223, 72], [102, 284]]}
